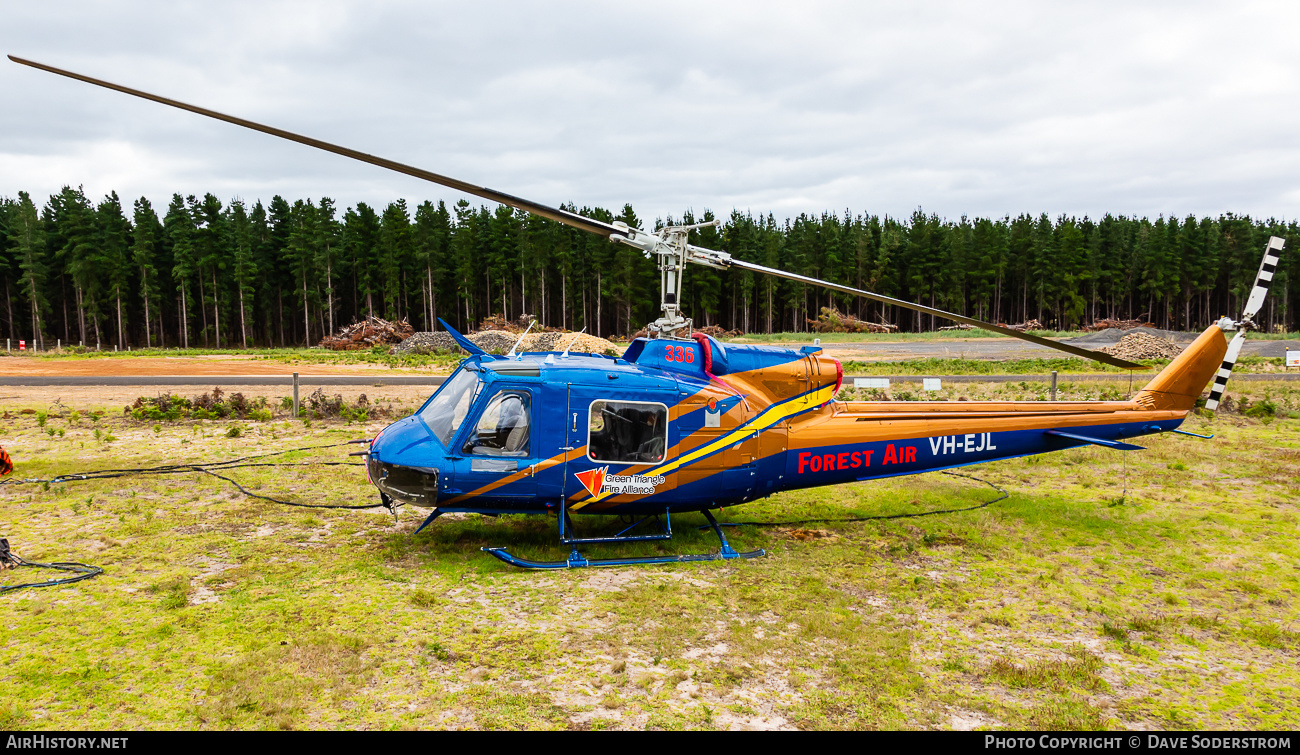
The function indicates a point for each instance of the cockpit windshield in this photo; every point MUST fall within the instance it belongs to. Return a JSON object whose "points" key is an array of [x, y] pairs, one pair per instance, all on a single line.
{"points": [[447, 409]]}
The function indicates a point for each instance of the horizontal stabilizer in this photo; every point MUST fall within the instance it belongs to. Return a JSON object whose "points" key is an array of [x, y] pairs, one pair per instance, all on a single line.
{"points": [[1096, 441]]}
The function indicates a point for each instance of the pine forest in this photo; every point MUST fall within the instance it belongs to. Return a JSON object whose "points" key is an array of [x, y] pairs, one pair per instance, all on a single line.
{"points": [[201, 273]]}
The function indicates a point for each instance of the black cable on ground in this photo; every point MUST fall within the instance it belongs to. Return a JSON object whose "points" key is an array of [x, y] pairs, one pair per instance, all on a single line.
{"points": [[79, 570], [239, 463], [1002, 497]]}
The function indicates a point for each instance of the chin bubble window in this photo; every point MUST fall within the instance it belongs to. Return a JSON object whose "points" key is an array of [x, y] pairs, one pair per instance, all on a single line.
{"points": [[504, 426], [630, 432]]}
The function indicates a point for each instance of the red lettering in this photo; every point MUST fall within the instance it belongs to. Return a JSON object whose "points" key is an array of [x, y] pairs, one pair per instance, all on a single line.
{"points": [[891, 456], [803, 461], [816, 464], [690, 355], [828, 462], [909, 453], [668, 357], [842, 461], [868, 458], [857, 459]]}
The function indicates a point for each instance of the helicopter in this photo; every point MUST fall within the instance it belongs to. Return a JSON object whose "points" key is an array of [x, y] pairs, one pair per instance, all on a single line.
{"points": [[682, 422]]}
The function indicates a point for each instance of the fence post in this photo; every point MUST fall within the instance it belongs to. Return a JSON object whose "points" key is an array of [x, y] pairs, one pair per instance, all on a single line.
{"points": [[295, 395], [1053, 385]]}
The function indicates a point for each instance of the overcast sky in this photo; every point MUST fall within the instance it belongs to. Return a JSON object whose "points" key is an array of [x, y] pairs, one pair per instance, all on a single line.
{"points": [[981, 109]]}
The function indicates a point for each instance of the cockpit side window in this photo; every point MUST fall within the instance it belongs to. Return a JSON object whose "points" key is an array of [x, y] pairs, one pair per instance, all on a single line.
{"points": [[447, 409], [631, 432], [504, 426]]}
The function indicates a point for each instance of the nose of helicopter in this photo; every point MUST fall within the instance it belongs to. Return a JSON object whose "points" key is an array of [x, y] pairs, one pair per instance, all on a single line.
{"points": [[403, 462]]}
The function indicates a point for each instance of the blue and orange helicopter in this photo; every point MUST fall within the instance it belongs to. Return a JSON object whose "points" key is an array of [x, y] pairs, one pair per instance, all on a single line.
{"points": [[682, 422]]}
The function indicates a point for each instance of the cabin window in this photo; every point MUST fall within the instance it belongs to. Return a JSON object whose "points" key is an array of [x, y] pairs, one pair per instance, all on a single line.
{"points": [[629, 432], [504, 426], [446, 410]]}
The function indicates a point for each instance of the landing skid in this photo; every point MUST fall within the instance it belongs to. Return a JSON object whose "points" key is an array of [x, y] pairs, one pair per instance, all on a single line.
{"points": [[578, 561]]}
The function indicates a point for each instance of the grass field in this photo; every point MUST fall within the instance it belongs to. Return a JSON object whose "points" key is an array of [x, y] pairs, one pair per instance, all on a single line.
{"points": [[1073, 604]]}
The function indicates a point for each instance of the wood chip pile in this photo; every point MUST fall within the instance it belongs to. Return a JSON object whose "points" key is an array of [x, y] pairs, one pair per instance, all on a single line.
{"points": [[834, 321], [1143, 346], [500, 341], [368, 333], [583, 343]]}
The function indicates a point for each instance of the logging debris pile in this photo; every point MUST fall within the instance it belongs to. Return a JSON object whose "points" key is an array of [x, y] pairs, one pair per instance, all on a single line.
{"points": [[717, 331], [1022, 327], [1106, 323], [832, 320], [1143, 346], [958, 326], [368, 333], [499, 322]]}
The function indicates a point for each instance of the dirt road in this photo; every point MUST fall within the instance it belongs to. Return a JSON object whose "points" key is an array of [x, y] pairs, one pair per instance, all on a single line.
{"points": [[217, 364]]}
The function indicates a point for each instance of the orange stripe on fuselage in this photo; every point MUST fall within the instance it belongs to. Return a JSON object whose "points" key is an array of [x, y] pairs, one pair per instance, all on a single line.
{"points": [[857, 422]]}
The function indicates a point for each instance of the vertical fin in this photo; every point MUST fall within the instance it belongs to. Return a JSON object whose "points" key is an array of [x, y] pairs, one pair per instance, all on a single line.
{"points": [[464, 342]]}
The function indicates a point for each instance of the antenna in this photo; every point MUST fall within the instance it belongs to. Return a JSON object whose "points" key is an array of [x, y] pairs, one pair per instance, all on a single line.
{"points": [[565, 355], [521, 340]]}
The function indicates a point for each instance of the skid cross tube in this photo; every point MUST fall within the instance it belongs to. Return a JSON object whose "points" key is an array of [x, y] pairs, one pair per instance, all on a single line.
{"points": [[578, 561], [566, 527]]}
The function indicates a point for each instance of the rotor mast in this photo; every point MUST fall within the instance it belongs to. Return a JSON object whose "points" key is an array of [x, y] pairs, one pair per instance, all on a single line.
{"points": [[669, 245]]}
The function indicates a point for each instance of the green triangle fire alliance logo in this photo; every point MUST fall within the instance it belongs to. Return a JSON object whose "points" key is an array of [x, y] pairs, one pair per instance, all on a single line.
{"points": [[593, 480]]}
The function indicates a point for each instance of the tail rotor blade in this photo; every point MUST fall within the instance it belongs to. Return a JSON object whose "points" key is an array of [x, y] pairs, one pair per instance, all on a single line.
{"points": [[1264, 278], [1225, 371]]}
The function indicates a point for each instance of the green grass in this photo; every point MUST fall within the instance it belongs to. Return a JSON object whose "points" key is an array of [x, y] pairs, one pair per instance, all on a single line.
{"points": [[1152, 590]]}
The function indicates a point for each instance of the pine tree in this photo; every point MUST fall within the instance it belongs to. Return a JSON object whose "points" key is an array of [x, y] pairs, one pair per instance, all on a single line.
{"points": [[243, 265], [178, 229], [114, 240], [144, 252], [28, 240]]}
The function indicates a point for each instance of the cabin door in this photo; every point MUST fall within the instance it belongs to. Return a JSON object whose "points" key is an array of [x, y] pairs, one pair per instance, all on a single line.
{"points": [[617, 441]]}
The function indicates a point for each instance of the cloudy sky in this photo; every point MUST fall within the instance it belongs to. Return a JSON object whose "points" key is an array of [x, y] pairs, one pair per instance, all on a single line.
{"points": [[958, 108]]}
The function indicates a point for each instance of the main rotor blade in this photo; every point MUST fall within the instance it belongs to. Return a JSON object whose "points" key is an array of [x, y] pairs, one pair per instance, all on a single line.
{"points": [[562, 216], [1077, 351]]}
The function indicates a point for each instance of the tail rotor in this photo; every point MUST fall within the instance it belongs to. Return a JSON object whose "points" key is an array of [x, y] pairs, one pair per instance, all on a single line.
{"points": [[1263, 279]]}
